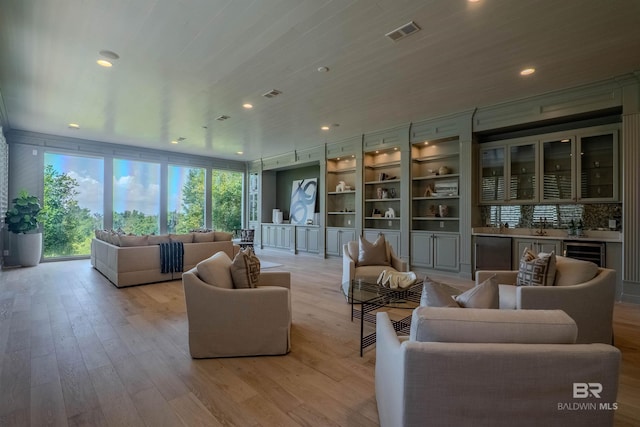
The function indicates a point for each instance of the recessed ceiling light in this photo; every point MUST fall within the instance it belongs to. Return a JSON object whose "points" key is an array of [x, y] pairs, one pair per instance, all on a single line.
{"points": [[104, 63], [325, 128], [107, 58], [527, 71], [174, 141], [247, 106], [74, 126], [239, 153], [323, 69]]}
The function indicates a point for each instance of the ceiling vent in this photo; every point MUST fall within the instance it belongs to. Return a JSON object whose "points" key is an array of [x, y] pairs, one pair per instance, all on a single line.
{"points": [[272, 93], [222, 118], [181, 138], [405, 31]]}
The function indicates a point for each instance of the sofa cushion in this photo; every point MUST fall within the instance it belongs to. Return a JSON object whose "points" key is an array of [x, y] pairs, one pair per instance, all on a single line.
{"points": [[202, 237], [536, 269], [245, 269], [436, 294], [184, 238], [372, 253], [216, 270], [439, 324], [508, 297], [571, 271], [221, 236], [128, 241], [157, 239], [484, 295]]}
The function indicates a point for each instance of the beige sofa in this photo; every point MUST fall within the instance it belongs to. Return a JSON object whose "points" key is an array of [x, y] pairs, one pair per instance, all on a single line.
{"points": [[584, 291], [479, 367], [137, 265]]}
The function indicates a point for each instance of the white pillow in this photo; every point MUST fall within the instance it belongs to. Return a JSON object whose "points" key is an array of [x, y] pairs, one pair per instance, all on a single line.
{"points": [[216, 270]]}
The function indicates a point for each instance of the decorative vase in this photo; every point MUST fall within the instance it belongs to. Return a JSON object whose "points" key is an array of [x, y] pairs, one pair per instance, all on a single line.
{"points": [[443, 210], [276, 216]]}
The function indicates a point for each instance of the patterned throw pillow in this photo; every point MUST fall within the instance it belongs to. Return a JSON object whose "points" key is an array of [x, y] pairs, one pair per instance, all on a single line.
{"points": [[245, 269], [536, 269]]}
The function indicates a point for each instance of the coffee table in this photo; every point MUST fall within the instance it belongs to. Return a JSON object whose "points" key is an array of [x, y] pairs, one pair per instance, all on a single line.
{"points": [[372, 297]]}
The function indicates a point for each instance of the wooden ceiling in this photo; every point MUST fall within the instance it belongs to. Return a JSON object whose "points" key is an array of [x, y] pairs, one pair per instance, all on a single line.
{"points": [[184, 63]]}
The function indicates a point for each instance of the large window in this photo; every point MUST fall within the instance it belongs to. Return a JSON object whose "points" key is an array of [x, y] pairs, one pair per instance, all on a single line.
{"points": [[186, 199], [136, 197], [73, 203], [226, 197]]}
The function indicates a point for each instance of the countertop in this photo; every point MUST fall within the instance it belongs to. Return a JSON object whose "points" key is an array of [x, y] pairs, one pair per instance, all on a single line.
{"points": [[550, 234]]}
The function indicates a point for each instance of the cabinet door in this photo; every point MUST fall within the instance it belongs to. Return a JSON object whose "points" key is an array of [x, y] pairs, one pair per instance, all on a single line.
{"points": [[421, 249], [492, 175], [522, 172], [598, 167], [446, 252], [558, 170], [345, 237], [301, 239], [548, 246], [332, 243], [313, 240]]}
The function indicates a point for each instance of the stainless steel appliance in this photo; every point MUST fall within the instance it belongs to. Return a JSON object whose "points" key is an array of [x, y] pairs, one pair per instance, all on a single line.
{"points": [[587, 251]]}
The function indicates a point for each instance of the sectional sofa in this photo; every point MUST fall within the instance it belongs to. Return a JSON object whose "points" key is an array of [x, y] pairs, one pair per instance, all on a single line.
{"points": [[135, 260]]}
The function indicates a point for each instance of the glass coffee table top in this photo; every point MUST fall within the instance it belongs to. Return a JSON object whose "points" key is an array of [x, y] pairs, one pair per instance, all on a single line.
{"points": [[362, 291]]}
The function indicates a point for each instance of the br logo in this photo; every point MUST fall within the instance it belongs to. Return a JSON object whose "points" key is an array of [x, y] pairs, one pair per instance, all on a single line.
{"points": [[585, 390]]}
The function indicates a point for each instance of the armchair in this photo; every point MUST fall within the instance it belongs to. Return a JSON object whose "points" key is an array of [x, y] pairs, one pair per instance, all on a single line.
{"points": [[589, 303], [238, 322], [481, 367], [351, 270]]}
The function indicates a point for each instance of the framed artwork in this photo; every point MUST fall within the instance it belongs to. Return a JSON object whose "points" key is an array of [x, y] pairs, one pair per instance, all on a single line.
{"points": [[303, 201]]}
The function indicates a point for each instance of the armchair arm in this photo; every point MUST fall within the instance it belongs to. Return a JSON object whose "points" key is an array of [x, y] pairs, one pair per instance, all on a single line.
{"points": [[590, 304], [348, 266], [275, 278], [389, 372], [503, 277]]}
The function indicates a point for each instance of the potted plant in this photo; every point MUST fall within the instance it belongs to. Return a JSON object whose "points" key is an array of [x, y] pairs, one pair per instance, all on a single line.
{"points": [[22, 219]]}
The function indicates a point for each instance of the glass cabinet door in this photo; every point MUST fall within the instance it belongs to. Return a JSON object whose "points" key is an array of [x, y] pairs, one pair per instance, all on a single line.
{"points": [[558, 170], [492, 171], [522, 172], [598, 167]]}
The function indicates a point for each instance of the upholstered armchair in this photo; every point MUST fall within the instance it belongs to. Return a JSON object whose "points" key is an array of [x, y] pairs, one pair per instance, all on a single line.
{"points": [[228, 322], [581, 289], [352, 269], [484, 367]]}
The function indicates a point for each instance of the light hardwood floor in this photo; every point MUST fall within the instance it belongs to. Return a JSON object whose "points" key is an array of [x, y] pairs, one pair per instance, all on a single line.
{"points": [[75, 350]]}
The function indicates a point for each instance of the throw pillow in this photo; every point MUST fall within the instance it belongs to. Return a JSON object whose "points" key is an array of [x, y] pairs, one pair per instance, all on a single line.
{"points": [[216, 270], [485, 295], [536, 269], [184, 238], [245, 269], [435, 294], [157, 239], [201, 237], [373, 253], [222, 236], [128, 241]]}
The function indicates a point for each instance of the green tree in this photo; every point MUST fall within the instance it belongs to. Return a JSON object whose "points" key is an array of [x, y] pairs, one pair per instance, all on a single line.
{"points": [[135, 222], [60, 213], [193, 200], [227, 200]]}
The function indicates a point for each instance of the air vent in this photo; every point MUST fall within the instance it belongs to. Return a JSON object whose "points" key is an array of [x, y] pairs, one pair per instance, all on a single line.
{"points": [[222, 118], [404, 31], [272, 93], [181, 138]]}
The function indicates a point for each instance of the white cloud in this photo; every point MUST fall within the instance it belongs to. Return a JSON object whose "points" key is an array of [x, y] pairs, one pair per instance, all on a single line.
{"points": [[90, 192], [129, 194]]}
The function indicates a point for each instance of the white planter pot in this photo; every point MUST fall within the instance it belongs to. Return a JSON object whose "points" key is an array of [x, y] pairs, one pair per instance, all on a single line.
{"points": [[29, 249]]}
